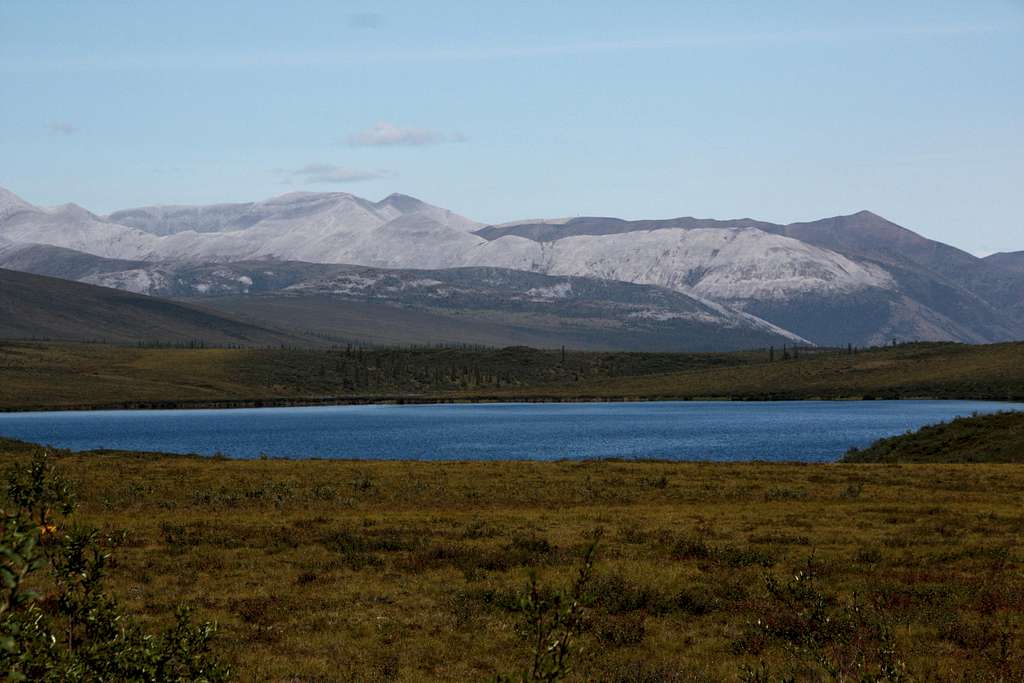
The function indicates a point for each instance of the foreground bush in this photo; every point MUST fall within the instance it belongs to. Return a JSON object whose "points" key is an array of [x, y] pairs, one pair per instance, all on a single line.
{"points": [[553, 622], [56, 621]]}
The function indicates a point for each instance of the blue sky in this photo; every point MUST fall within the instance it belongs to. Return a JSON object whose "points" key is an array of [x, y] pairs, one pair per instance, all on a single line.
{"points": [[777, 110]]}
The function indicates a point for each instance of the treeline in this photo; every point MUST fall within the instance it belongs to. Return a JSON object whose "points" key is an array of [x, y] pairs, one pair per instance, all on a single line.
{"points": [[364, 370], [793, 351], [356, 369], [34, 376]]}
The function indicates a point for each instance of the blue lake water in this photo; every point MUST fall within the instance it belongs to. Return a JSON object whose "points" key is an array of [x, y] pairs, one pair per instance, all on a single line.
{"points": [[811, 431]]}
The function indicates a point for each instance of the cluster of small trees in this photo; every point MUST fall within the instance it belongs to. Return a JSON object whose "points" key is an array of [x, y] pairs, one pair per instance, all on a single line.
{"points": [[793, 352], [788, 352]]}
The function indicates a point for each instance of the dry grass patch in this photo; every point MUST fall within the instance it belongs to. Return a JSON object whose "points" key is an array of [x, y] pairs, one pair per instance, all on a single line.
{"points": [[411, 571]]}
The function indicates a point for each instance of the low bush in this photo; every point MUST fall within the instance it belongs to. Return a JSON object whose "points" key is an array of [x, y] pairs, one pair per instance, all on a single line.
{"points": [[75, 631]]}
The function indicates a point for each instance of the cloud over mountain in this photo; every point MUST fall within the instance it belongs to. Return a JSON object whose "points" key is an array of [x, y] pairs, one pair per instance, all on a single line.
{"points": [[313, 174], [384, 134], [365, 20], [61, 128]]}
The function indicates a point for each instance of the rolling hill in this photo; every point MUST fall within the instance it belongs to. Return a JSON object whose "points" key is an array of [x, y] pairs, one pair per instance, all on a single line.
{"points": [[38, 307], [997, 438]]}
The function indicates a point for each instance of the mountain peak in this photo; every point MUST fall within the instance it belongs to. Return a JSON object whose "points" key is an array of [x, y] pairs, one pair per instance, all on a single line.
{"points": [[303, 195], [9, 198], [402, 202], [11, 204], [73, 210]]}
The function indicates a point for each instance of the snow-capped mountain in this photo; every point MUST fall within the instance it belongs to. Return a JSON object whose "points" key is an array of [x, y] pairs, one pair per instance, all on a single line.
{"points": [[337, 227], [733, 263], [857, 279], [73, 227]]}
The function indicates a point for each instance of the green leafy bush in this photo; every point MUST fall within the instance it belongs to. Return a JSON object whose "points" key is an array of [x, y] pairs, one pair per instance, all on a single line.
{"points": [[56, 621]]}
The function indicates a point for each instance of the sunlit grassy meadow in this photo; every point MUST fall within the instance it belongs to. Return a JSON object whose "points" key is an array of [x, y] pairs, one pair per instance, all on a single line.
{"points": [[411, 571]]}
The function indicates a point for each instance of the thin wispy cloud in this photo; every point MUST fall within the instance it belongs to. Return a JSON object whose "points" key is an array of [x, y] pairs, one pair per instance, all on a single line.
{"points": [[384, 134], [340, 58], [61, 128], [365, 20], [317, 174]]}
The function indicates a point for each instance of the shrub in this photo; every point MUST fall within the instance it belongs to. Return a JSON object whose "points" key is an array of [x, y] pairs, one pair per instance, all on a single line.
{"points": [[827, 637], [77, 632], [621, 629], [554, 620]]}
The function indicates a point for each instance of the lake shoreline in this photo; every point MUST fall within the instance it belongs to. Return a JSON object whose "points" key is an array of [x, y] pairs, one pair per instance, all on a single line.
{"points": [[248, 404], [807, 431]]}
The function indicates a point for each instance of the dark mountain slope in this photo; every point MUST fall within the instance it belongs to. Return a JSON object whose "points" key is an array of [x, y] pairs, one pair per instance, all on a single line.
{"points": [[490, 306], [487, 306], [34, 306], [975, 294], [1012, 261], [69, 264], [539, 231]]}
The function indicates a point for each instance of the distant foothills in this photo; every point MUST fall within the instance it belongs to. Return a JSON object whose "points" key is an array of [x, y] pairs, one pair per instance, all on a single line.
{"points": [[308, 269]]}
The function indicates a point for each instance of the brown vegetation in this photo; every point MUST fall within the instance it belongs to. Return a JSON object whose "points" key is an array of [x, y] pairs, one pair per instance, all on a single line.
{"points": [[411, 571]]}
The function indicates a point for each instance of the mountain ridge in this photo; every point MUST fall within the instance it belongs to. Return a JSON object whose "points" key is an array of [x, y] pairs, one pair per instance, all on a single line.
{"points": [[857, 278], [468, 305]]}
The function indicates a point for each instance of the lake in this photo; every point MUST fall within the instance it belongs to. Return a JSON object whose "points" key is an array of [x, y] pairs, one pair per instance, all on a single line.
{"points": [[812, 431]]}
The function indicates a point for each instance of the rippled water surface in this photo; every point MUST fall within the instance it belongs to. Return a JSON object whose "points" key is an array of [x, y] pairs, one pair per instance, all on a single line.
{"points": [[807, 430]]}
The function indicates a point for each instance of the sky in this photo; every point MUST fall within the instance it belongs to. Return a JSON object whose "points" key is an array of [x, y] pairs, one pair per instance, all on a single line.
{"points": [[781, 111]]}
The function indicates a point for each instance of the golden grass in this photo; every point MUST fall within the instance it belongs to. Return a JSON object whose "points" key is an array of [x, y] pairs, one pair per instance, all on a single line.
{"points": [[405, 571]]}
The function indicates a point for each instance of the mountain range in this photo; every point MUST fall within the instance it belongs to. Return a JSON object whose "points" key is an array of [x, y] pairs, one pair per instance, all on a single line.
{"points": [[334, 263]]}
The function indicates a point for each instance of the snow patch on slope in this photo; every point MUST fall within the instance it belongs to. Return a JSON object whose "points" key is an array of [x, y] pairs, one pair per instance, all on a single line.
{"points": [[139, 280], [723, 264]]}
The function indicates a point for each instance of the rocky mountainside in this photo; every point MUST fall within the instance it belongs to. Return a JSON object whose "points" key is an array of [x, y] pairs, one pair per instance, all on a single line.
{"points": [[1012, 261], [902, 286], [458, 305], [850, 279]]}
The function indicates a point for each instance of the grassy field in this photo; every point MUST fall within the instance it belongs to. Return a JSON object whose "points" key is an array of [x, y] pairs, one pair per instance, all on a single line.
{"points": [[411, 571], [995, 438], [50, 375]]}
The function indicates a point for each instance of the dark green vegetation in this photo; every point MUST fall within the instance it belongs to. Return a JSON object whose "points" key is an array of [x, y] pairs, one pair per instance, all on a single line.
{"points": [[91, 375], [37, 307], [995, 438], [57, 623], [414, 571]]}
